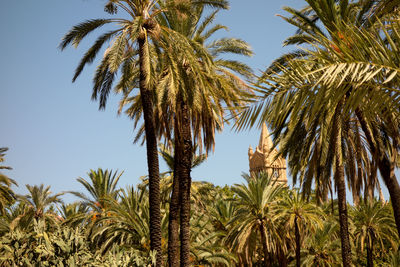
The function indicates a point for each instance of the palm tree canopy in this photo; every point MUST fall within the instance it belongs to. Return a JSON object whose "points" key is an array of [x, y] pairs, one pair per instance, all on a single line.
{"points": [[101, 185]]}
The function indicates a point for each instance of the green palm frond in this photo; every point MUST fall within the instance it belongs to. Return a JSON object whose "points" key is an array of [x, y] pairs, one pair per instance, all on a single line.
{"points": [[80, 31]]}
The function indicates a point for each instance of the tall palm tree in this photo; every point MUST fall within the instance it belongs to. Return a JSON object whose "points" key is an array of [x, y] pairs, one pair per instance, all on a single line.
{"points": [[198, 101], [368, 50], [374, 225], [144, 30], [191, 93], [325, 84], [140, 29], [254, 218], [298, 216]]}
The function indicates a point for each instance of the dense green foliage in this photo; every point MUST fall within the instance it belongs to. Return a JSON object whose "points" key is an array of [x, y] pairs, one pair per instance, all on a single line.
{"points": [[225, 222]]}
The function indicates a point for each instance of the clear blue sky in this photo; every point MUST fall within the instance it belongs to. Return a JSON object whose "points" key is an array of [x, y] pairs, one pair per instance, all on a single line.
{"points": [[56, 133]]}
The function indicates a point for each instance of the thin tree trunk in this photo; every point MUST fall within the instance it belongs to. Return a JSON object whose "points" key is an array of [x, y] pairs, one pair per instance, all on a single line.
{"points": [[381, 196], [370, 259], [341, 188], [152, 158], [282, 258], [297, 236], [174, 209], [264, 244], [185, 181], [386, 168], [331, 191]]}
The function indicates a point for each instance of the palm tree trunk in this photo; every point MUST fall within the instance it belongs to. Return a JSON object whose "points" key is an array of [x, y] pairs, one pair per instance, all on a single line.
{"points": [[174, 209], [331, 191], [381, 196], [264, 244], [386, 168], [282, 258], [341, 189], [297, 236], [152, 157], [184, 166], [370, 260]]}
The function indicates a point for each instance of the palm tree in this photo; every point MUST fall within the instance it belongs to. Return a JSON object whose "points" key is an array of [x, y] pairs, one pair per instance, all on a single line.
{"points": [[144, 30], [190, 95], [7, 196], [125, 222], [368, 50], [73, 214], [101, 185], [323, 86], [374, 226], [2, 155], [323, 248], [206, 249], [299, 216], [254, 218], [198, 102], [38, 206], [140, 29]]}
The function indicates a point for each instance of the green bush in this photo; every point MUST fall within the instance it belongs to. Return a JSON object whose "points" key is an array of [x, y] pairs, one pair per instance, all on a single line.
{"points": [[63, 247]]}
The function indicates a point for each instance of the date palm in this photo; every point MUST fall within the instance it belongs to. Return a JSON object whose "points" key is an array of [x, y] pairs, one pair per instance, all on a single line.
{"points": [[7, 195], [254, 216], [38, 206], [323, 248], [101, 185], [191, 96], [138, 31], [298, 216], [368, 50], [198, 102], [73, 214], [144, 30], [324, 84], [3, 151], [374, 225], [125, 222]]}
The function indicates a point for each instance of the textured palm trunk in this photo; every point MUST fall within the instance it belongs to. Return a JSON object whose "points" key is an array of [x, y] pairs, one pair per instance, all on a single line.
{"points": [[341, 189], [386, 168], [264, 244], [332, 203], [370, 259], [152, 158], [297, 236], [184, 167], [381, 196], [174, 209], [282, 258]]}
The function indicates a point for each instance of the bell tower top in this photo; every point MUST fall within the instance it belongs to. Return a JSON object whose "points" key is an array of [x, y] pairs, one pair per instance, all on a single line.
{"points": [[265, 158]]}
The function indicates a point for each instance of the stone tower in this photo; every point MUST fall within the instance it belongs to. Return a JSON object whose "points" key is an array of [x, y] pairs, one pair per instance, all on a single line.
{"points": [[263, 159]]}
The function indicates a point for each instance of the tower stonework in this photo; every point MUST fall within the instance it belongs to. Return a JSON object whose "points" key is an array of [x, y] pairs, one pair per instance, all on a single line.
{"points": [[264, 158]]}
